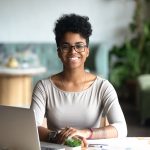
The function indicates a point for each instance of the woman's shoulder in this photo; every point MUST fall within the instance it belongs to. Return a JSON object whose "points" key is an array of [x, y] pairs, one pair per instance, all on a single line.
{"points": [[49, 79], [105, 83], [42, 83], [99, 80], [94, 77]]}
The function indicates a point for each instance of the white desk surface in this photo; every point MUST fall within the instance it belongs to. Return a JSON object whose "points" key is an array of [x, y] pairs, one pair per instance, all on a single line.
{"points": [[128, 143], [22, 71]]}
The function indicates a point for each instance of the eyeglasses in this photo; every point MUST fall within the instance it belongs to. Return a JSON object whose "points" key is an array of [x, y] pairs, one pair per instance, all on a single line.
{"points": [[80, 47]]}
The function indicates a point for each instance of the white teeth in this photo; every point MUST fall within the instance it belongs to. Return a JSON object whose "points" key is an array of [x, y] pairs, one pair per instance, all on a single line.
{"points": [[73, 58]]}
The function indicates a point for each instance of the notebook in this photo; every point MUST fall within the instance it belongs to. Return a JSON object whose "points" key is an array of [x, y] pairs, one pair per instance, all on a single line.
{"points": [[18, 130]]}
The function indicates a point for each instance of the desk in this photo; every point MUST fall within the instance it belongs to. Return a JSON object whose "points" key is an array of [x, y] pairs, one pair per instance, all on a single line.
{"points": [[16, 85], [128, 143]]}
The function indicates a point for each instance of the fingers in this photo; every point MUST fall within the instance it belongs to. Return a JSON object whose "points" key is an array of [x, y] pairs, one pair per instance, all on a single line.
{"points": [[84, 141], [69, 133], [66, 133]]}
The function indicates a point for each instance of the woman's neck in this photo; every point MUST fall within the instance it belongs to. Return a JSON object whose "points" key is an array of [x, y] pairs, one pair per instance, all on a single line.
{"points": [[73, 80], [73, 75]]}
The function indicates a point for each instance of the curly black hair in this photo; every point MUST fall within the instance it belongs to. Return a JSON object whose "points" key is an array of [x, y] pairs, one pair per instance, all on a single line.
{"points": [[72, 23]]}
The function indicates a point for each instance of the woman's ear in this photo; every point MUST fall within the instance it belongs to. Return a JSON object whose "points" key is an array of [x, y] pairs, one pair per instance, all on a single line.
{"points": [[88, 51]]}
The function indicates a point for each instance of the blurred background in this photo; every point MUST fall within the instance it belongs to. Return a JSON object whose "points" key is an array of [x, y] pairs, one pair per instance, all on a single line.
{"points": [[119, 50]]}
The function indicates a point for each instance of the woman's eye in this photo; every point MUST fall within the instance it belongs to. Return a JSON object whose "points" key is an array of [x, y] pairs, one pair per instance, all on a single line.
{"points": [[65, 47], [79, 46]]}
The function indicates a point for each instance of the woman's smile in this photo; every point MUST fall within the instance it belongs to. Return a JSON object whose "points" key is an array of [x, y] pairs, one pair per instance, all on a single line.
{"points": [[73, 58]]}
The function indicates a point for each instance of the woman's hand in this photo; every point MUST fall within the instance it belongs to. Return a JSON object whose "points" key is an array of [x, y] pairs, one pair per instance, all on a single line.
{"points": [[72, 132]]}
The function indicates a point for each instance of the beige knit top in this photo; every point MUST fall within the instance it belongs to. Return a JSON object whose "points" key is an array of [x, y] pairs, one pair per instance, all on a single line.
{"points": [[82, 109]]}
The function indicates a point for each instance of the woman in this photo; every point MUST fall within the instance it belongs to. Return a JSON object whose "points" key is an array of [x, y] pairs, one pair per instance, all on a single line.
{"points": [[74, 101]]}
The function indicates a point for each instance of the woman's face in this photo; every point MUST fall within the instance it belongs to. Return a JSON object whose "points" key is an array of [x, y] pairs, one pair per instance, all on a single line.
{"points": [[73, 50]]}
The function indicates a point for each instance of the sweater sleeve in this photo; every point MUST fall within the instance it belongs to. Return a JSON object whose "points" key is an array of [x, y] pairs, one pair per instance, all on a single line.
{"points": [[113, 111], [39, 102]]}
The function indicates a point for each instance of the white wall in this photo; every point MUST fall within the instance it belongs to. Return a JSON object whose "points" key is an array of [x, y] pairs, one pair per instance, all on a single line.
{"points": [[33, 20]]}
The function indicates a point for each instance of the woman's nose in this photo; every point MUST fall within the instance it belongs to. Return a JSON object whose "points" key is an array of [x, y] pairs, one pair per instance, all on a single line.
{"points": [[72, 49]]}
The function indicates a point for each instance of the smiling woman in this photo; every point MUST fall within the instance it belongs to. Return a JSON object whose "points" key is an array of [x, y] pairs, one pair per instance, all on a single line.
{"points": [[75, 101], [73, 50]]}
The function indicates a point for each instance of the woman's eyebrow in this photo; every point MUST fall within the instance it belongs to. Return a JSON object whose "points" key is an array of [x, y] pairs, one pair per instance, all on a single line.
{"points": [[74, 43]]}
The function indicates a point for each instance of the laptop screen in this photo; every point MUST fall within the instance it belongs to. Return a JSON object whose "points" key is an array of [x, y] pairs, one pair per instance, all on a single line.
{"points": [[18, 129]]}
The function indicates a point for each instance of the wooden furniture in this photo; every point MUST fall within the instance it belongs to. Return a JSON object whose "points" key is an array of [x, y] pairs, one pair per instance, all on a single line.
{"points": [[104, 122], [16, 86]]}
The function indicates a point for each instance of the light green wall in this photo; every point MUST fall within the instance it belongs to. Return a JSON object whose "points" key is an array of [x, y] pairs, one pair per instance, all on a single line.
{"points": [[97, 62]]}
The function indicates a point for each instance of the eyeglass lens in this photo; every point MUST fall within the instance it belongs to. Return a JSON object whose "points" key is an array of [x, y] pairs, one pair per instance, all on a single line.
{"points": [[77, 47]]}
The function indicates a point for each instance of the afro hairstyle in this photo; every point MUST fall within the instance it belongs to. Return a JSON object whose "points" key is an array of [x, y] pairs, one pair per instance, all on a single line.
{"points": [[72, 23]]}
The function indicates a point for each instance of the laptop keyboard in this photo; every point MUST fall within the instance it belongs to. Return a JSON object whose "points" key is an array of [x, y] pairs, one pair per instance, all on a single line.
{"points": [[46, 148], [51, 146]]}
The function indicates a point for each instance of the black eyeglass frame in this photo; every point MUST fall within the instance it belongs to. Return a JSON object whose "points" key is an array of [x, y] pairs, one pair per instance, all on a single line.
{"points": [[73, 46]]}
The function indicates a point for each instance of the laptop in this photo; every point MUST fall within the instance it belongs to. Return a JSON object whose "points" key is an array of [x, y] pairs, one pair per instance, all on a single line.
{"points": [[18, 130]]}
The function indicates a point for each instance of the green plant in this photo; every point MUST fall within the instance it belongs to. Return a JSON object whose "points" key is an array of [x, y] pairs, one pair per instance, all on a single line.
{"points": [[132, 58], [73, 142], [145, 49], [127, 64]]}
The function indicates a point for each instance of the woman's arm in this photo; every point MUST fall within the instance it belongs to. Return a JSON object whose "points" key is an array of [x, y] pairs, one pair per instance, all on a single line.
{"points": [[43, 133], [93, 133], [38, 105], [104, 132], [112, 110]]}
